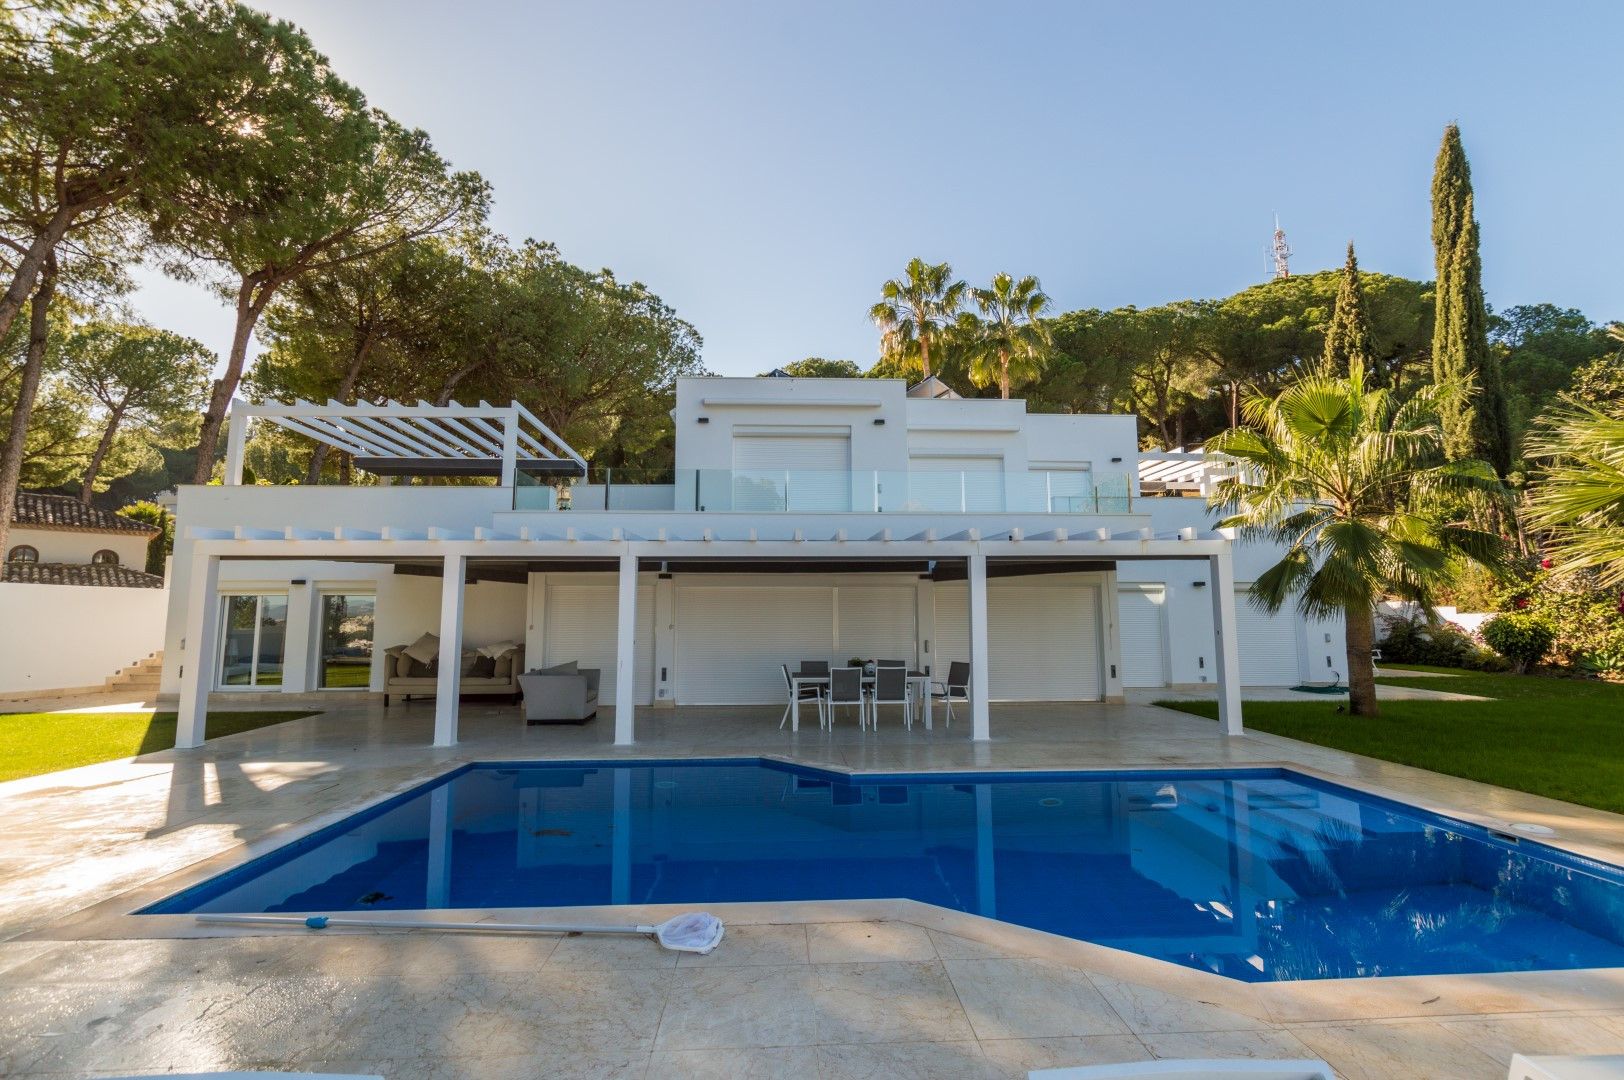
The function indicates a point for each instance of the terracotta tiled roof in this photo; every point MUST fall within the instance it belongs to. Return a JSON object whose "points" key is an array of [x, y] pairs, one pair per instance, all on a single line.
{"points": [[65, 512], [119, 577]]}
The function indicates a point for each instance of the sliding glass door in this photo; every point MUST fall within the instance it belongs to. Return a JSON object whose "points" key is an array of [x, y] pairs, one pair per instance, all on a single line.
{"points": [[254, 639], [346, 640]]}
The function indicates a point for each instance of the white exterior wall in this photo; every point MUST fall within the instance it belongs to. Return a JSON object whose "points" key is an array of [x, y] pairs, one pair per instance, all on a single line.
{"points": [[412, 510], [58, 637], [75, 547], [1188, 610]]}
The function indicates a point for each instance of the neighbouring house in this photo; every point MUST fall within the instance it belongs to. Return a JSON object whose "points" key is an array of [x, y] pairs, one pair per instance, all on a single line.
{"points": [[805, 519], [78, 606]]}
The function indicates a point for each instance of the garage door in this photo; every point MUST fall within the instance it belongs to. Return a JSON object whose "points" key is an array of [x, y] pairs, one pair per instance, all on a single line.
{"points": [[1044, 638], [792, 470], [964, 483], [1268, 644], [1144, 649], [731, 640], [579, 625]]}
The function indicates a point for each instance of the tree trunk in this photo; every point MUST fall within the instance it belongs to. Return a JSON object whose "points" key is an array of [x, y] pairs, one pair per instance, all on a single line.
{"points": [[103, 448], [344, 473], [924, 355], [250, 302], [39, 260], [346, 388], [1003, 375], [11, 455], [1361, 668]]}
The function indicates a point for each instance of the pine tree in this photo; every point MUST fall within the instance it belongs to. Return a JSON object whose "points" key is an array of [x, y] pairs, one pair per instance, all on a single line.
{"points": [[1347, 339], [1475, 425]]}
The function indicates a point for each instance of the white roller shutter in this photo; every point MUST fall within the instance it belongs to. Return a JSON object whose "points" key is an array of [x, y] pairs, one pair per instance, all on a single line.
{"points": [[877, 622], [792, 471], [579, 625], [1044, 637], [1144, 650], [731, 640], [1268, 644], [965, 483]]}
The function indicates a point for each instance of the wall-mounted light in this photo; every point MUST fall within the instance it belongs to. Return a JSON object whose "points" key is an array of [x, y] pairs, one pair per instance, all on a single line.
{"points": [[704, 419], [1116, 461], [879, 421], [1198, 584]]}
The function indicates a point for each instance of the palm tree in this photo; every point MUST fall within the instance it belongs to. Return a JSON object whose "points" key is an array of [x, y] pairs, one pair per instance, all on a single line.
{"points": [[1580, 496], [1348, 479], [915, 307], [1014, 341]]}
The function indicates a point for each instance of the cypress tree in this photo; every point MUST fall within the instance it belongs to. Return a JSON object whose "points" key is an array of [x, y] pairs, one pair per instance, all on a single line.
{"points": [[1479, 425], [1347, 339]]}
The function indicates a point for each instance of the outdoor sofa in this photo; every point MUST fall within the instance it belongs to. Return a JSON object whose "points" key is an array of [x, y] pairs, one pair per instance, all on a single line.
{"points": [[408, 675]]}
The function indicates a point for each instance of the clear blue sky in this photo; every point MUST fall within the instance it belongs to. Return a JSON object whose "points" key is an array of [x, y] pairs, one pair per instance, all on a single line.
{"points": [[764, 166]]}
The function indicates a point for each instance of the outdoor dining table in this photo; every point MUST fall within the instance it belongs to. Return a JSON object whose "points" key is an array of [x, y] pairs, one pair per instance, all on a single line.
{"points": [[799, 679]]}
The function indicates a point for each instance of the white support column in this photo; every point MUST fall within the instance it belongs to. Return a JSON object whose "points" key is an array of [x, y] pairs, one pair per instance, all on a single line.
{"points": [[236, 441], [980, 675], [202, 635], [510, 449], [450, 684], [626, 654], [301, 650], [1221, 572]]}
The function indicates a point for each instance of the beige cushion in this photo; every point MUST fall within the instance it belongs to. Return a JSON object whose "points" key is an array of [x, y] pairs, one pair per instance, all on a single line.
{"points": [[403, 665], [504, 665], [493, 651], [468, 658], [424, 649]]}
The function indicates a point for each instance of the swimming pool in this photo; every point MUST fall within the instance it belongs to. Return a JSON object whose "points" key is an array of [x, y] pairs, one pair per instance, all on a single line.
{"points": [[1256, 874]]}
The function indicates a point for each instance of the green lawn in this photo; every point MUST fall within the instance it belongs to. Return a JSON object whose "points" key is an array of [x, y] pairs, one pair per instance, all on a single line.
{"points": [[1563, 738], [34, 743]]}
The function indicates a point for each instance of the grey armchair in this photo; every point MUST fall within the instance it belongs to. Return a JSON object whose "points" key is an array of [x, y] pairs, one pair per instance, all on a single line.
{"points": [[563, 694]]}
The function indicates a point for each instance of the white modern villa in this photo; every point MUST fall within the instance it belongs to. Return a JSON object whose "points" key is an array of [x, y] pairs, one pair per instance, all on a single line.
{"points": [[821, 520]]}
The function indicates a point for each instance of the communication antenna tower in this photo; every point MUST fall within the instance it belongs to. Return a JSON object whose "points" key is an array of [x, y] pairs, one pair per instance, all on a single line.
{"points": [[1280, 251]]}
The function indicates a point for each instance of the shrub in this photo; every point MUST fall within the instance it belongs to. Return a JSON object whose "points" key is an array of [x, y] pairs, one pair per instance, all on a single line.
{"points": [[1413, 641], [1519, 636], [1584, 617]]}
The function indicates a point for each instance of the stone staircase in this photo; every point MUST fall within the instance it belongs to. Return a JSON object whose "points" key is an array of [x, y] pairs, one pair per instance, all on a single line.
{"points": [[139, 679], [136, 681]]}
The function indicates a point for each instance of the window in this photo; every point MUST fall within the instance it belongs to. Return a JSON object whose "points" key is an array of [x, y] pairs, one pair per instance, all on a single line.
{"points": [[254, 633], [346, 640], [104, 557], [23, 553]]}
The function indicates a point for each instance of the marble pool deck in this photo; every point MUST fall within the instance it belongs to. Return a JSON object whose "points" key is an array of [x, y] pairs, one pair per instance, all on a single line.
{"points": [[883, 988]]}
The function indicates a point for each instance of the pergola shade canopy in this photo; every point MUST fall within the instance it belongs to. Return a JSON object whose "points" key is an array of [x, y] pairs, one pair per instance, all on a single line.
{"points": [[393, 439]]}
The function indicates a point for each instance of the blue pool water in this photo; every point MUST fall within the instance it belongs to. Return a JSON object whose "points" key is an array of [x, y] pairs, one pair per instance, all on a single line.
{"points": [[1256, 874]]}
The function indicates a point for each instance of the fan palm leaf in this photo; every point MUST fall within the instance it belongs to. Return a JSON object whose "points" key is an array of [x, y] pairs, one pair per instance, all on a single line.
{"points": [[1345, 478]]}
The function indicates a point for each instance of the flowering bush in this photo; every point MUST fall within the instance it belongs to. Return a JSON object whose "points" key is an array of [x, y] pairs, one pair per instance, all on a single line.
{"points": [[1585, 619]]}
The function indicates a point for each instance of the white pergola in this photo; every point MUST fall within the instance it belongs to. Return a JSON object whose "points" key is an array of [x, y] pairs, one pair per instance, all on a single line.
{"points": [[393, 439], [628, 550]]}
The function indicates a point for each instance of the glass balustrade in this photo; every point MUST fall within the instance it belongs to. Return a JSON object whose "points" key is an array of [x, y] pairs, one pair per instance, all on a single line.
{"points": [[818, 491]]}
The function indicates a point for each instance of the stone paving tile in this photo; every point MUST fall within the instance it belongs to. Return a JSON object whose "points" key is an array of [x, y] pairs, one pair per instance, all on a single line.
{"points": [[1227, 1044], [1031, 998], [887, 1002], [738, 1007], [1014, 1058], [961, 1060], [1422, 1050], [1504, 1036], [870, 942], [756, 1063]]}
